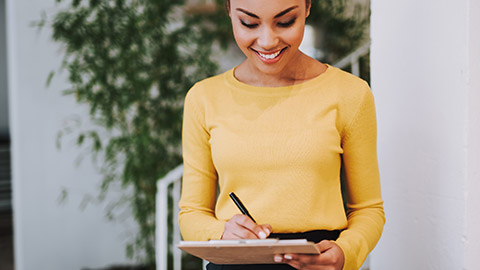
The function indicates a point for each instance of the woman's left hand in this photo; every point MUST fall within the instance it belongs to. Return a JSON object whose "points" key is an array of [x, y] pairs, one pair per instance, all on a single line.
{"points": [[331, 257]]}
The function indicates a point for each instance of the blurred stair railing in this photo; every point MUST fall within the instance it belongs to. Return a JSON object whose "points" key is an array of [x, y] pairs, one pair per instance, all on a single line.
{"points": [[5, 177], [353, 59], [168, 187]]}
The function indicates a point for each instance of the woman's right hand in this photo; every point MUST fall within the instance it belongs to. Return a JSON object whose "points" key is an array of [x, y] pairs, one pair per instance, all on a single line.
{"points": [[242, 227]]}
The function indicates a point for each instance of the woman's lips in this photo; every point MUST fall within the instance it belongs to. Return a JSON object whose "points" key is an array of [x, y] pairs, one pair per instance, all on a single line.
{"points": [[270, 58]]}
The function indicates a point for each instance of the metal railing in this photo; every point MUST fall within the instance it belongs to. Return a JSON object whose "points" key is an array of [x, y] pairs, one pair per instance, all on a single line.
{"points": [[5, 177], [353, 59], [170, 186]]}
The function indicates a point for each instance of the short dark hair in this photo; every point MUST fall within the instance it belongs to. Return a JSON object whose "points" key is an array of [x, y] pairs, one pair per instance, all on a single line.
{"points": [[227, 4]]}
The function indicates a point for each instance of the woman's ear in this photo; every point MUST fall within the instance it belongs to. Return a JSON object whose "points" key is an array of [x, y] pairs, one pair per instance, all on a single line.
{"points": [[307, 11]]}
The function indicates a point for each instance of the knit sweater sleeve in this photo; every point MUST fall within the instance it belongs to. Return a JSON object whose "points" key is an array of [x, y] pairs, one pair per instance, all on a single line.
{"points": [[365, 212], [199, 187]]}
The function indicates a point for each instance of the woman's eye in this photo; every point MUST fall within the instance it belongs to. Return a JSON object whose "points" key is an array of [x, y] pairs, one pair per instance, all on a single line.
{"points": [[287, 24], [249, 25]]}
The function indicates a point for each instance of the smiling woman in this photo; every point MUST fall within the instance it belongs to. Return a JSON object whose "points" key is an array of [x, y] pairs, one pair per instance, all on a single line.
{"points": [[269, 35], [277, 130]]}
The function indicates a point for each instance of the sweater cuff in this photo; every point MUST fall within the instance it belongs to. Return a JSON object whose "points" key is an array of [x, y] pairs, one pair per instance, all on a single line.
{"points": [[350, 259], [216, 230]]}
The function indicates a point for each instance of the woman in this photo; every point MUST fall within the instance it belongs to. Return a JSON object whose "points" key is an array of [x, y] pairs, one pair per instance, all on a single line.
{"points": [[277, 130]]}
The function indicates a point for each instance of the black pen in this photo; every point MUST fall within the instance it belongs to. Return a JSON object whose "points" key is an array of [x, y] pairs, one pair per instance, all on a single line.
{"points": [[240, 205]]}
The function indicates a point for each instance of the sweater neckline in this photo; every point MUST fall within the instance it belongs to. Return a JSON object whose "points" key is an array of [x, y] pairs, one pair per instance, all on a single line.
{"points": [[279, 90]]}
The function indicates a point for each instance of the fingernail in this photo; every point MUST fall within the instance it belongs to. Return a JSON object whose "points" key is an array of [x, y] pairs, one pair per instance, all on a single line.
{"points": [[288, 257], [277, 258], [262, 235]]}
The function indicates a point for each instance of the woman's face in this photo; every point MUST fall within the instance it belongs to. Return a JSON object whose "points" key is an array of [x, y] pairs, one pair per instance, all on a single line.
{"points": [[269, 32]]}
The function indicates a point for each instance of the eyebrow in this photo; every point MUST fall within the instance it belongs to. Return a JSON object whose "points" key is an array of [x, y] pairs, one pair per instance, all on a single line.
{"points": [[285, 12], [276, 16]]}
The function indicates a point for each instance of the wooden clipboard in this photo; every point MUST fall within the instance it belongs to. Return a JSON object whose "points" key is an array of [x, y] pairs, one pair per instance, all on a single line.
{"points": [[246, 251]]}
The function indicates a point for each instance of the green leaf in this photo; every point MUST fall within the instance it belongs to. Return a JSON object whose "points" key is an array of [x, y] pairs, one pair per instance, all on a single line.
{"points": [[50, 77], [80, 139]]}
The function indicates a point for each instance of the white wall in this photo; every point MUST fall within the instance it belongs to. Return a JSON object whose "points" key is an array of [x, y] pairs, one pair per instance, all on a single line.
{"points": [[48, 234], [472, 235], [424, 61], [3, 73]]}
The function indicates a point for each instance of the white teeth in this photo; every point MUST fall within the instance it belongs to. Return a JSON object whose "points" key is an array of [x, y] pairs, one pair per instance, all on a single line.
{"points": [[269, 56]]}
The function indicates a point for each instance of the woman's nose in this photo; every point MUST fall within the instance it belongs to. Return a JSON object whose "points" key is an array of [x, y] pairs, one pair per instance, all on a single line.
{"points": [[267, 39]]}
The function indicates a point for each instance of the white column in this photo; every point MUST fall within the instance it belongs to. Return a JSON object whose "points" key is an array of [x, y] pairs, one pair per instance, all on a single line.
{"points": [[3, 73], [472, 235], [422, 80], [48, 233]]}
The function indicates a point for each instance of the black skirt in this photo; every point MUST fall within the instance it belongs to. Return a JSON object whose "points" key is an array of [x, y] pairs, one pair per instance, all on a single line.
{"points": [[313, 236]]}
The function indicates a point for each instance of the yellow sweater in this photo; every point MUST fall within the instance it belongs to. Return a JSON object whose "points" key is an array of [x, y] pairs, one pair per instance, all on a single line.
{"points": [[281, 150]]}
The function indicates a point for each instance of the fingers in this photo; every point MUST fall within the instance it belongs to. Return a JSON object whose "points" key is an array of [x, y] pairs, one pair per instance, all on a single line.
{"points": [[267, 227], [242, 227], [264, 231], [331, 257], [325, 245], [295, 262], [299, 265], [300, 261]]}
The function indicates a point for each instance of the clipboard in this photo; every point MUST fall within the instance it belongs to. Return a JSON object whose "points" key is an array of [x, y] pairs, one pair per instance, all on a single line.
{"points": [[246, 251]]}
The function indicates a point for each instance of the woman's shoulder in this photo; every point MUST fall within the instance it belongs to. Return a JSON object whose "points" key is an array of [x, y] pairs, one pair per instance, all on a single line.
{"points": [[207, 90], [213, 81], [348, 82], [208, 86], [351, 92]]}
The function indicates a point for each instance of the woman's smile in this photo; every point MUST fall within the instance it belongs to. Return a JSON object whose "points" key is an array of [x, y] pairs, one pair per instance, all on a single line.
{"points": [[270, 57]]}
